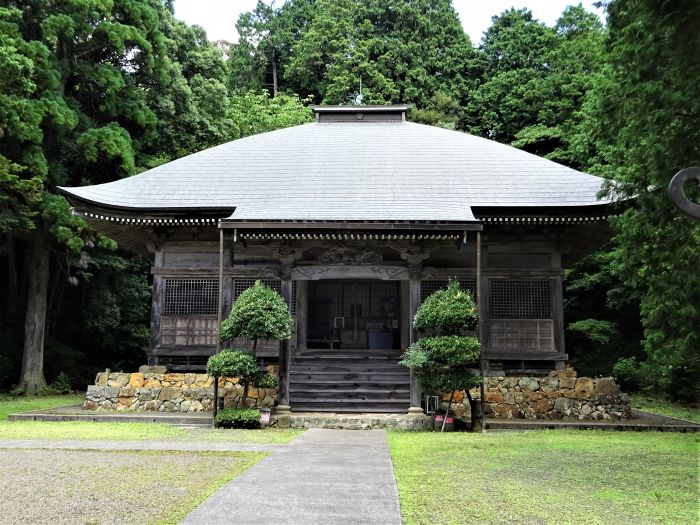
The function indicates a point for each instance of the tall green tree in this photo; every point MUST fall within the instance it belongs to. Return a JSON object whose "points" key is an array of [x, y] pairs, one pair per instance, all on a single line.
{"points": [[574, 65], [267, 36], [534, 82], [391, 51], [89, 66], [644, 116]]}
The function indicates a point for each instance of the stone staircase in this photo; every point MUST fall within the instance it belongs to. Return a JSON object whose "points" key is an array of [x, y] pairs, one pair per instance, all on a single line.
{"points": [[348, 380]]}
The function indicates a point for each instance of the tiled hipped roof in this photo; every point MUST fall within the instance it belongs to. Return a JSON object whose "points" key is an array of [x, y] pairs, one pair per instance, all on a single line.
{"points": [[352, 171]]}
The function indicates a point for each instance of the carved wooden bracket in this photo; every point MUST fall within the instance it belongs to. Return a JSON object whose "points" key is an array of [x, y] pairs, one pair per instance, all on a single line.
{"points": [[414, 256], [287, 257]]}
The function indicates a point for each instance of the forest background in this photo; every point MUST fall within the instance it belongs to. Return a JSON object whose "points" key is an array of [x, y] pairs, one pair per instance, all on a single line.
{"points": [[96, 90]]}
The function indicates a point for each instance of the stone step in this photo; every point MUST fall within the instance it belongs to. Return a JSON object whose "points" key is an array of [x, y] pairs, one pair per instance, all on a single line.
{"points": [[351, 420]]}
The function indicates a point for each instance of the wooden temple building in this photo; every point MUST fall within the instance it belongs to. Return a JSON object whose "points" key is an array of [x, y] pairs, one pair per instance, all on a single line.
{"points": [[355, 219]]}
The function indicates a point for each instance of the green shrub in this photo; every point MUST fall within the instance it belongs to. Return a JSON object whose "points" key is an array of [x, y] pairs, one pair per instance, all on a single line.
{"points": [[232, 363], [258, 313], [238, 418], [62, 384], [451, 350], [447, 312], [444, 359], [449, 379], [627, 372], [264, 380], [240, 364]]}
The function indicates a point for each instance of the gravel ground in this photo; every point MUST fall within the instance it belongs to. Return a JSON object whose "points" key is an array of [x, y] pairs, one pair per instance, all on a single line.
{"points": [[95, 487]]}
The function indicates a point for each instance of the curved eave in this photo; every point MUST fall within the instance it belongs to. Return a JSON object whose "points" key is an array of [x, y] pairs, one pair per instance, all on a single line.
{"points": [[80, 202], [579, 214]]}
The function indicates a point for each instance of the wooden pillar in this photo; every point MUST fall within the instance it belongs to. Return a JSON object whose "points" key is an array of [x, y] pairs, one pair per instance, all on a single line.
{"points": [[414, 303], [480, 288], [220, 305], [557, 307], [405, 314], [285, 354], [302, 313], [227, 300], [156, 309]]}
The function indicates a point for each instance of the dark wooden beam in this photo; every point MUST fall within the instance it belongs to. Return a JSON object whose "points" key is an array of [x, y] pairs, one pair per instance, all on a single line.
{"points": [[349, 225]]}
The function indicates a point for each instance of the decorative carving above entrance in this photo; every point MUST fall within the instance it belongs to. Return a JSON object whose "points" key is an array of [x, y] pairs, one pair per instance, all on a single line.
{"points": [[341, 254], [307, 273], [258, 272]]}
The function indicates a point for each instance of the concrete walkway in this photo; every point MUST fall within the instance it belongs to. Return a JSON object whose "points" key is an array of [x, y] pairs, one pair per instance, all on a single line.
{"points": [[327, 477]]}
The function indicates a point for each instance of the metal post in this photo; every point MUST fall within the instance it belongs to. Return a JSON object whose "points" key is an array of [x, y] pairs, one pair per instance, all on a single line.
{"points": [[479, 303]]}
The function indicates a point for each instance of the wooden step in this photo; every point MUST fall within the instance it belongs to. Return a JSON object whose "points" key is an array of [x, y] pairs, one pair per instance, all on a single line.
{"points": [[346, 376], [348, 352], [321, 396], [370, 361], [339, 367], [300, 405], [351, 384]]}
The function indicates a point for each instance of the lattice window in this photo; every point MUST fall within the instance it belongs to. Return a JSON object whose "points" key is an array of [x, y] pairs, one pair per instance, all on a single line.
{"points": [[519, 299], [191, 296], [433, 285], [241, 285]]}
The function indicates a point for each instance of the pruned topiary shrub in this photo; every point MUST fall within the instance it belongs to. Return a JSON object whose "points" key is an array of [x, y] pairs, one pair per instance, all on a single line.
{"points": [[446, 357], [240, 364], [258, 313], [238, 418]]}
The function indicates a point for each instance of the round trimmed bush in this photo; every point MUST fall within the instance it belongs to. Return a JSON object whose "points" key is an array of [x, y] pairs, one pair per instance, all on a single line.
{"points": [[447, 312], [232, 363], [258, 313]]}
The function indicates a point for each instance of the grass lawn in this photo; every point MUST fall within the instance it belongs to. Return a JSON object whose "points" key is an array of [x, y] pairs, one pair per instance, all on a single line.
{"points": [[96, 487], [657, 405], [548, 476], [85, 430], [10, 405]]}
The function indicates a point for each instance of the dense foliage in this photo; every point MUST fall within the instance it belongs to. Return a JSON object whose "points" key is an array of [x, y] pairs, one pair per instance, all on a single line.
{"points": [[642, 124], [234, 417], [94, 91], [443, 359], [258, 313]]}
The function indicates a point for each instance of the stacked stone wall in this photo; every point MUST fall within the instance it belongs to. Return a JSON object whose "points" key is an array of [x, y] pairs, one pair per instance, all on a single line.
{"points": [[154, 389], [559, 395]]}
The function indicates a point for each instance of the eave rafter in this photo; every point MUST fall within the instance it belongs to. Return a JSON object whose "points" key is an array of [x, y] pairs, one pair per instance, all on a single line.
{"points": [[545, 220], [149, 221]]}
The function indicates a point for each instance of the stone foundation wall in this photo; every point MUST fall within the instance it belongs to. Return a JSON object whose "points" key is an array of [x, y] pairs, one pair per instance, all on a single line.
{"points": [[559, 395], [154, 389]]}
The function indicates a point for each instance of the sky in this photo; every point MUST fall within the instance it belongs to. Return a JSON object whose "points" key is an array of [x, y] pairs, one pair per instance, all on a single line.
{"points": [[219, 17]]}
